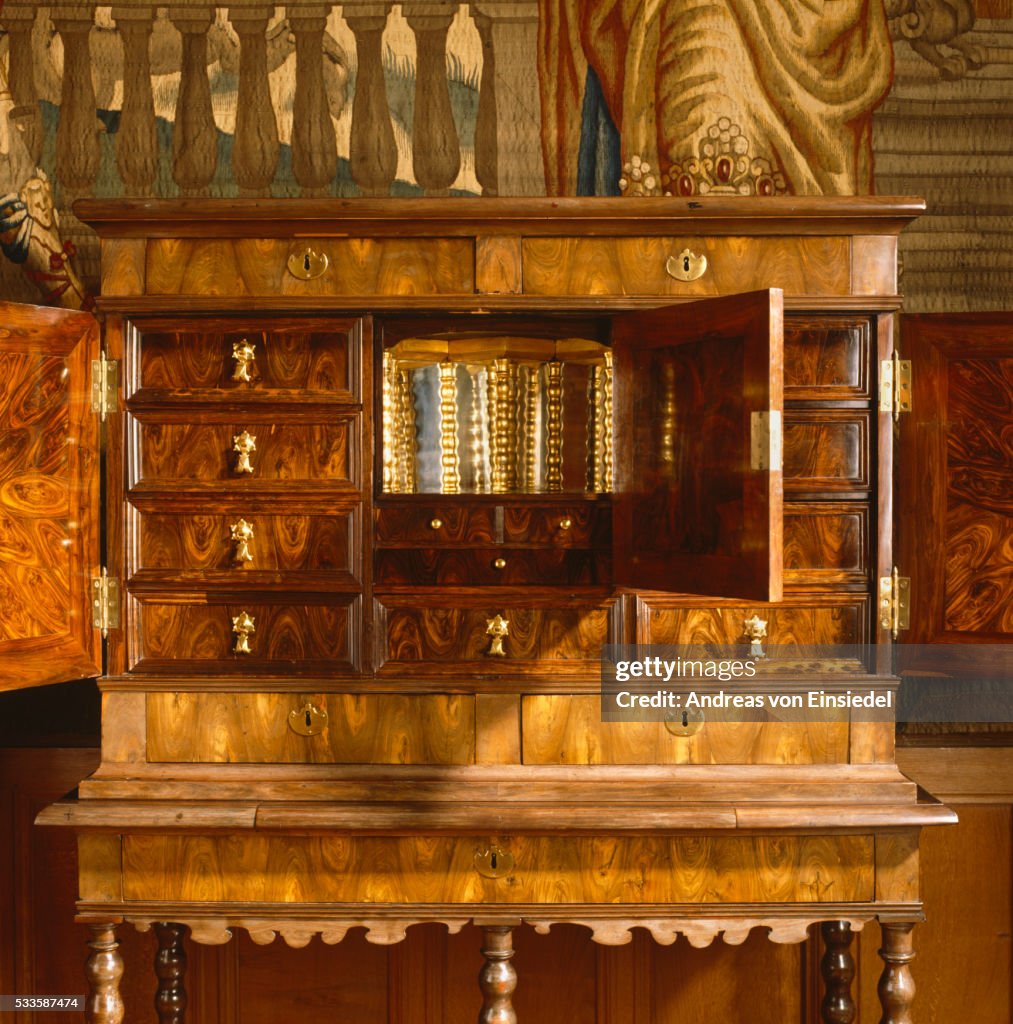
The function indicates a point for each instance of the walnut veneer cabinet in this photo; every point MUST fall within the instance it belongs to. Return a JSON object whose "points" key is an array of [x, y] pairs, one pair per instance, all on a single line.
{"points": [[380, 479]]}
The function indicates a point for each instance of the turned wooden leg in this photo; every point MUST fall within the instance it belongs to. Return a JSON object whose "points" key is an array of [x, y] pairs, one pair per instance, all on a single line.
{"points": [[497, 979], [170, 968], [838, 970], [896, 986], [103, 969]]}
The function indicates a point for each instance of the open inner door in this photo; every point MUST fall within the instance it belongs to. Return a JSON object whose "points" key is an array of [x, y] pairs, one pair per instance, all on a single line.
{"points": [[698, 502], [49, 496]]}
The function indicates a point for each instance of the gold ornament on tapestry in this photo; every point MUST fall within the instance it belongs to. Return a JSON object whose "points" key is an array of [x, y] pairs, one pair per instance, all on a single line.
{"points": [[724, 166]]}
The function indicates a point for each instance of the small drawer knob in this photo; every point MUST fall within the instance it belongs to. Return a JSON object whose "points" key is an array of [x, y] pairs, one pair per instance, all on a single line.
{"points": [[245, 444], [244, 353], [243, 628], [435, 523], [242, 537], [309, 720], [498, 629], [500, 563], [565, 524]]}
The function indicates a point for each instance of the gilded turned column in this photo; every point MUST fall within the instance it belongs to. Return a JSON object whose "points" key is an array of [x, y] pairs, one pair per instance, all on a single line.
{"points": [[497, 979], [838, 970], [255, 146], [372, 149], [19, 23], [436, 149], [486, 146], [314, 145], [896, 985], [170, 969], [194, 137], [103, 969], [77, 144], [137, 137]]}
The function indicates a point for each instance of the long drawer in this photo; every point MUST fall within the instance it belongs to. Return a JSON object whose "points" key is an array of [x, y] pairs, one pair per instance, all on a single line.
{"points": [[502, 566]]}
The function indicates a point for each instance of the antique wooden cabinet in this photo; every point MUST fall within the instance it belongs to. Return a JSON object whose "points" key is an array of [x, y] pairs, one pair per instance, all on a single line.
{"points": [[380, 481]]}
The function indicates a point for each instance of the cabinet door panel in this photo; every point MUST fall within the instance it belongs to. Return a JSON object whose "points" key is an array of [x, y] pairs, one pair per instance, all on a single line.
{"points": [[955, 490], [49, 496], [692, 514]]}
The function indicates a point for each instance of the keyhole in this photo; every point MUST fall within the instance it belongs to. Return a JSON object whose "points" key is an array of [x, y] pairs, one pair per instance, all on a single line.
{"points": [[685, 264], [685, 720], [492, 862], [306, 267], [309, 720]]}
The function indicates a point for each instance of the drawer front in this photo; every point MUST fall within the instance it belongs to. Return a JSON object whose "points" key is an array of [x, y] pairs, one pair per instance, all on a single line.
{"points": [[242, 544], [436, 525], [247, 360], [501, 566], [270, 728], [826, 450], [184, 634], [567, 729], [826, 542], [182, 453], [558, 525], [563, 636], [355, 266], [827, 358], [637, 266], [546, 869], [798, 622]]}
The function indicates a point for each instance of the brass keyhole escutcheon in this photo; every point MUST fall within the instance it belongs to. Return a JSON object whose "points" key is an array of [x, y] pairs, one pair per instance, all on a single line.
{"points": [[307, 263], [687, 266], [494, 861], [684, 723], [309, 720]]}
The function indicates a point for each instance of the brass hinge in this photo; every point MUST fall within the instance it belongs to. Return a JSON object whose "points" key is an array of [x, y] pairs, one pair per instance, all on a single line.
{"points": [[895, 602], [765, 440], [105, 383], [105, 603], [895, 385]]}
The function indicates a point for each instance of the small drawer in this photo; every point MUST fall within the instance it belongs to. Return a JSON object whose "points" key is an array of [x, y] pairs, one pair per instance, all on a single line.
{"points": [[247, 360], [245, 544], [826, 542], [331, 728], [247, 451], [827, 358], [501, 566], [558, 525], [814, 265], [427, 869], [185, 634], [801, 631], [436, 525], [424, 633], [355, 266], [568, 729], [826, 450]]}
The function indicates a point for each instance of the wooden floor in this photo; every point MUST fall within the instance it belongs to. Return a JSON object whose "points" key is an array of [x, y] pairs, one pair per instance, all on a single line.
{"points": [[962, 971]]}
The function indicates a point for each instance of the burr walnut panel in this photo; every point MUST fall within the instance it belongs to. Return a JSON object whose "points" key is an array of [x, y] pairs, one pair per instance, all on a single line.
{"points": [[547, 869], [826, 450], [502, 566], [826, 358], [249, 728], [426, 632], [356, 266], [637, 266], [568, 729], [248, 360], [242, 545], [189, 634], [201, 452]]}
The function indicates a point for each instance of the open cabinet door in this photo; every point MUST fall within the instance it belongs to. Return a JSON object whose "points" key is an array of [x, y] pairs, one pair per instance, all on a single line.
{"points": [[49, 496], [955, 494], [698, 485]]}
